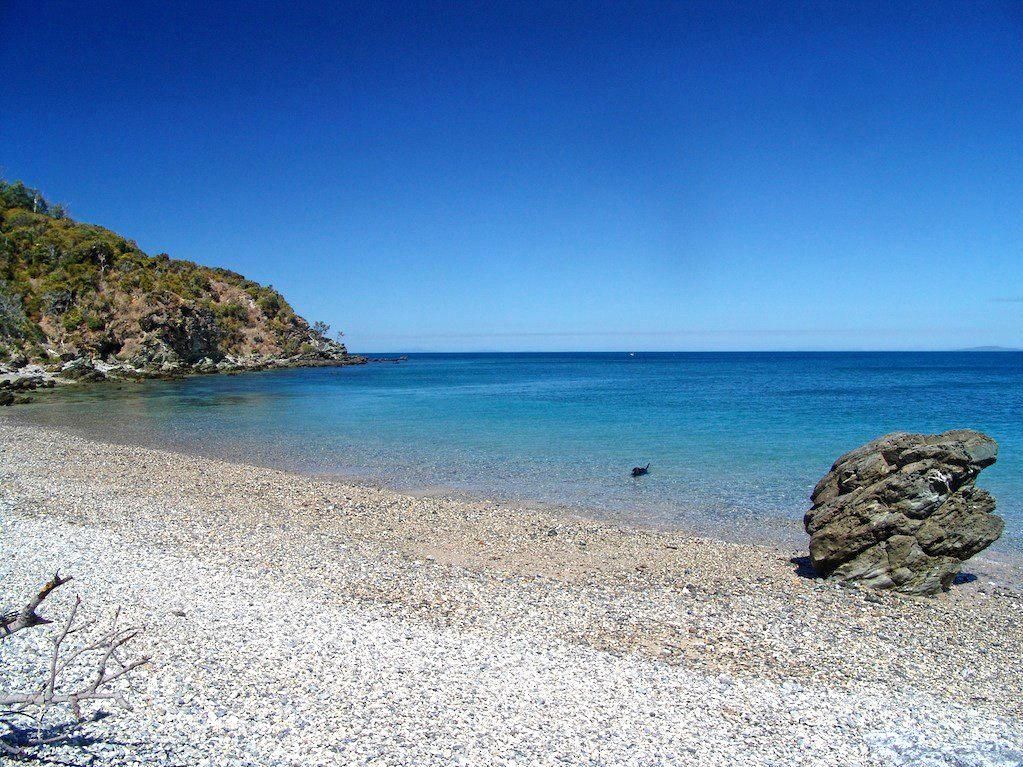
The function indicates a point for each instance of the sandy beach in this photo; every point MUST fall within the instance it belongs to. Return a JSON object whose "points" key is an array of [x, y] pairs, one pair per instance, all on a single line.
{"points": [[303, 621]]}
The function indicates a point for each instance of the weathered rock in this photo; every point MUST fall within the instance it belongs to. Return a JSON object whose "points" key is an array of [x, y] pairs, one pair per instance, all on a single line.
{"points": [[81, 369], [22, 383], [902, 511], [187, 334], [6, 398]]}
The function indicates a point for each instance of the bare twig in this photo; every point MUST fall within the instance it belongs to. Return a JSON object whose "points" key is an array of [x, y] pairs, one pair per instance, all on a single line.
{"points": [[75, 675], [27, 617]]}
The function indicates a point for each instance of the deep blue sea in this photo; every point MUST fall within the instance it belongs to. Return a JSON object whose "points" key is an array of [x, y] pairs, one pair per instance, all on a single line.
{"points": [[735, 441]]}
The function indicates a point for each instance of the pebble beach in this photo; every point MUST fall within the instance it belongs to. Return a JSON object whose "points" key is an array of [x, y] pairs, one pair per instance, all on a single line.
{"points": [[295, 620]]}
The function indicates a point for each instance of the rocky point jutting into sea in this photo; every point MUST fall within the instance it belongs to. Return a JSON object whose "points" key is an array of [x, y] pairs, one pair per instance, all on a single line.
{"points": [[81, 303]]}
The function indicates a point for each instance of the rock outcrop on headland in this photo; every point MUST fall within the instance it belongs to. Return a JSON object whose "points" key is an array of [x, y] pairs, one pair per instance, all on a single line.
{"points": [[902, 511], [79, 302]]}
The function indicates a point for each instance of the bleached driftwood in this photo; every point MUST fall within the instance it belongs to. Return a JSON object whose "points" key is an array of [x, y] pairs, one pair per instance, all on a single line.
{"points": [[27, 617], [75, 674]]}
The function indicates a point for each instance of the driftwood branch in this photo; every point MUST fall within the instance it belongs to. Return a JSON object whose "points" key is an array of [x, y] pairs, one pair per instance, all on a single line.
{"points": [[76, 674], [27, 617]]}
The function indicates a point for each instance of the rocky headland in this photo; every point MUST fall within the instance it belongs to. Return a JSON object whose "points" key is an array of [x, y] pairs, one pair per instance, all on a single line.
{"points": [[81, 303]]}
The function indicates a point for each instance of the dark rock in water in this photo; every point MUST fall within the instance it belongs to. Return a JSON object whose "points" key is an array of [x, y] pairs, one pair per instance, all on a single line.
{"points": [[902, 512], [25, 383], [81, 369], [6, 398], [639, 471]]}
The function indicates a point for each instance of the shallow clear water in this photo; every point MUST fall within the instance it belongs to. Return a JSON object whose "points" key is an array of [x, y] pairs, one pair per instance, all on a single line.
{"points": [[735, 441]]}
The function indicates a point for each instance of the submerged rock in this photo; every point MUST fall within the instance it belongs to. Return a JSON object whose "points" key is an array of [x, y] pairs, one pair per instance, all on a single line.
{"points": [[902, 511], [81, 369]]}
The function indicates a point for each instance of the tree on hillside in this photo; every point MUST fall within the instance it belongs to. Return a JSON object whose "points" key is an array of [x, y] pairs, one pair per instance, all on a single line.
{"points": [[17, 195]]}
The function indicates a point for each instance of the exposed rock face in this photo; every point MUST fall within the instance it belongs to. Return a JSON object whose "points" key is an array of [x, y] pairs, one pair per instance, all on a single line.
{"points": [[191, 334], [902, 511]]}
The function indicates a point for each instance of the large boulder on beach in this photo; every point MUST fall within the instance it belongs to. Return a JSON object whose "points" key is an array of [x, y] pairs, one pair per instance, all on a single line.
{"points": [[902, 512]]}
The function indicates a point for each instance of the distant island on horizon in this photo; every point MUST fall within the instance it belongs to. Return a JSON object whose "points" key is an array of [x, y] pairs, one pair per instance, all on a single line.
{"points": [[989, 349]]}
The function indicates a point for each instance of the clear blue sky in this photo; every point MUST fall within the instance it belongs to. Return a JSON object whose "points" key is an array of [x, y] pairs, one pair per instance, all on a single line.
{"points": [[465, 176]]}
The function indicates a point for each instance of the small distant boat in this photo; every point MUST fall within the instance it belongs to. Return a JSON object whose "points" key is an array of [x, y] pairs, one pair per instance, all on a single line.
{"points": [[632, 354], [639, 471]]}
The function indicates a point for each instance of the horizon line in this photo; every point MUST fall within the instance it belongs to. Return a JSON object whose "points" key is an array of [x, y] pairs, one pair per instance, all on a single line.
{"points": [[971, 350]]}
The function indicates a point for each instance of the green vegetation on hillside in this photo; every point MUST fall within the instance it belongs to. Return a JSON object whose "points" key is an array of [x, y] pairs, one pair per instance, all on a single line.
{"points": [[73, 289]]}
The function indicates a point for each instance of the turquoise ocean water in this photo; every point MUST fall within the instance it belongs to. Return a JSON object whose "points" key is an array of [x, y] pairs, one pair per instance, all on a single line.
{"points": [[736, 441]]}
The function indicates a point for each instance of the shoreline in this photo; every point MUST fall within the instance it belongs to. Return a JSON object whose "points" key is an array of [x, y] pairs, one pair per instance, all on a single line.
{"points": [[1003, 561], [678, 607], [33, 377]]}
